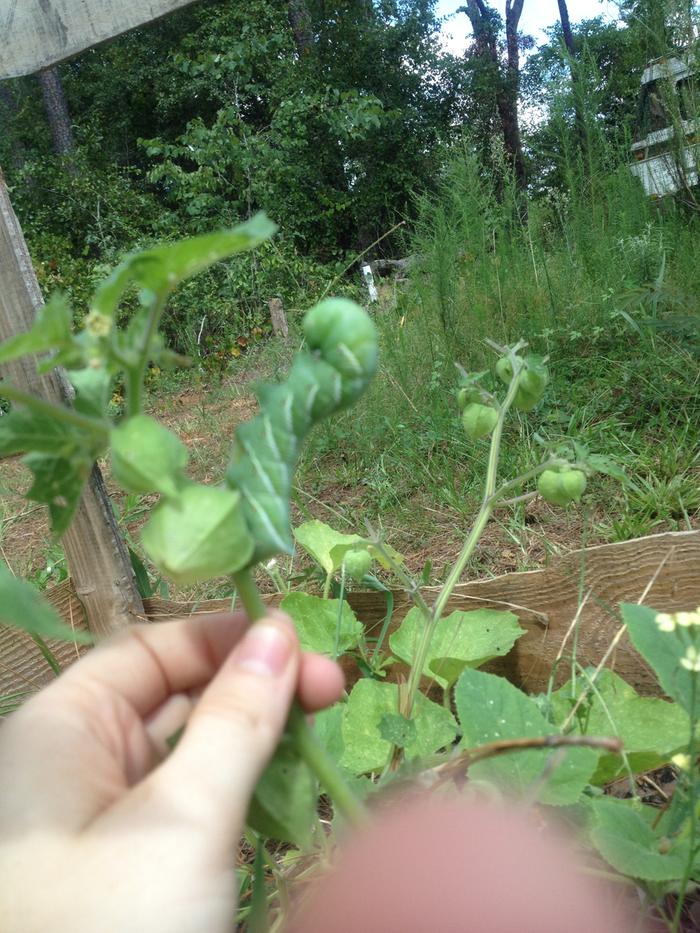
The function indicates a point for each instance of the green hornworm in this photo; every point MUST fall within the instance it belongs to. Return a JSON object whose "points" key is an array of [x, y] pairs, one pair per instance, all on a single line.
{"points": [[339, 364]]}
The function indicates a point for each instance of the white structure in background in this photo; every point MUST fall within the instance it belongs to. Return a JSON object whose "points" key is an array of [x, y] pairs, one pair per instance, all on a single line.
{"points": [[368, 276], [669, 107]]}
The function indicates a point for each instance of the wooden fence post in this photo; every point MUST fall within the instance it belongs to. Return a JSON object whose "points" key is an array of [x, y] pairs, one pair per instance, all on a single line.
{"points": [[97, 557], [280, 328]]}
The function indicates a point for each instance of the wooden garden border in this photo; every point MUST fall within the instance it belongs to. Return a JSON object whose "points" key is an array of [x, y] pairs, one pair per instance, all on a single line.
{"points": [[663, 569]]}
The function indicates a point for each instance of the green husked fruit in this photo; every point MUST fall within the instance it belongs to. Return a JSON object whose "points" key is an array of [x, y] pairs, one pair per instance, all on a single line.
{"points": [[201, 535], [524, 401], [562, 487], [357, 564], [467, 395], [504, 370], [479, 421], [147, 457]]}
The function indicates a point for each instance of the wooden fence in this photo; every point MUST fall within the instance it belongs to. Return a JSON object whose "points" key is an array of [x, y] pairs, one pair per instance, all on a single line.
{"points": [[663, 571]]}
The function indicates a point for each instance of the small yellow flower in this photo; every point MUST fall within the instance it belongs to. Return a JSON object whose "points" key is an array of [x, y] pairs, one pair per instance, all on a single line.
{"points": [[682, 762], [691, 661], [688, 619], [665, 622], [97, 324]]}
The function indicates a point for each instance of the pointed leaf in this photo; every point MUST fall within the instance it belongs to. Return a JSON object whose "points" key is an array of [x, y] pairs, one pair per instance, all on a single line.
{"points": [[284, 805], [663, 652], [652, 730], [52, 330], [317, 624], [368, 704], [161, 269], [93, 389], [492, 710], [58, 483], [627, 841], [24, 431], [460, 640], [22, 607]]}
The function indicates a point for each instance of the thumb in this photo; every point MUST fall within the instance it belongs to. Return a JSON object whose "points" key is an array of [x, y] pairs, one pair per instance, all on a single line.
{"points": [[234, 730]]}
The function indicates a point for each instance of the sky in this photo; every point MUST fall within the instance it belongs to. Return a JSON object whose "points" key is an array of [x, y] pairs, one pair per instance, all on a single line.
{"points": [[537, 15]]}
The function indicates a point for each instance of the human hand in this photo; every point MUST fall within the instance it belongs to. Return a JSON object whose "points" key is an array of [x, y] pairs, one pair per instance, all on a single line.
{"points": [[101, 829]]}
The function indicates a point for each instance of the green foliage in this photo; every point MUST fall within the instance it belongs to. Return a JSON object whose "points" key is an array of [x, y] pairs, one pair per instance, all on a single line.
{"points": [[460, 640], [22, 608], [624, 834], [492, 710], [651, 729], [146, 457], [284, 805], [365, 726], [326, 626]]}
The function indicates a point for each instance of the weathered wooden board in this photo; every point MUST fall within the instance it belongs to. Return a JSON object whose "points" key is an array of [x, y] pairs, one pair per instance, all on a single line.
{"points": [[35, 34], [546, 602]]}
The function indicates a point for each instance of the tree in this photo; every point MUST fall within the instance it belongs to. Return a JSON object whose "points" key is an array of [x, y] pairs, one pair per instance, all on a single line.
{"points": [[300, 22], [57, 112], [504, 70]]}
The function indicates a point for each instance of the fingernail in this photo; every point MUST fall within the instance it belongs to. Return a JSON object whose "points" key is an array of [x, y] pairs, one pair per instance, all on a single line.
{"points": [[266, 649]]}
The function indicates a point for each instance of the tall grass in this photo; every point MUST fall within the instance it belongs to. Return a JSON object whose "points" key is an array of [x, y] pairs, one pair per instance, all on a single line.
{"points": [[592, 273]]}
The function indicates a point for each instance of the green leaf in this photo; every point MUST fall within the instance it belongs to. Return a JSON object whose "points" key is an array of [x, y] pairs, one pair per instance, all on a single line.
{"points": [[200, 535], [627, 841], [93, 389], [284, 804], [492, 710], [147, 457], [652, 730], [663, 652], [161, 269], [398, 730], [368, 704], [58, 483], [24, 431], [319, 539], [328, 726], [460, 640], [316, 622], [22, 607], [51, 331], [329, 547]]}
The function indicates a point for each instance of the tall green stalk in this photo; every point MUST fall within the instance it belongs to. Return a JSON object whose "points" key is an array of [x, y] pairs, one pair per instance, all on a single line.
{"points": [[305, 741]]}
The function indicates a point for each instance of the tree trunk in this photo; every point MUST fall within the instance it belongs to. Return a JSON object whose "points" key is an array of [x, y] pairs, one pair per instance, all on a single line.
{"points": [[57, 111], [484, 24], [576, 85], [97, 557], [300, 22], [511, 93]]}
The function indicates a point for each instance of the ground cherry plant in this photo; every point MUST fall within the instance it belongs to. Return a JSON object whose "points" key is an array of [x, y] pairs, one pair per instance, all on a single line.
{"points": [[559, 749]]}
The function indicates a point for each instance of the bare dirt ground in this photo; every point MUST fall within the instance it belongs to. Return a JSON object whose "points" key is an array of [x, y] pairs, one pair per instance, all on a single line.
{"points": [[206, 417]]}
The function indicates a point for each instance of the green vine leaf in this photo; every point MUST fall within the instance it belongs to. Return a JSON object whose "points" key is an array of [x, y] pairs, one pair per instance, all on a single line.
{"points": [[147, 457], [58, 483], [22, 607], [627, 841], [158, 271], [318, 625], [663, 652], [52, 330], [398, 730], [93, 389], [24, 431], [460, 640], [490, 709], [284, 804], [370, 701], [329, 547], [651, 729]]}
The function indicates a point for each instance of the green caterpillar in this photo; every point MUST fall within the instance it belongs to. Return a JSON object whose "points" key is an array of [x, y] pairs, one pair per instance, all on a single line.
{"points": [[340, 362]]}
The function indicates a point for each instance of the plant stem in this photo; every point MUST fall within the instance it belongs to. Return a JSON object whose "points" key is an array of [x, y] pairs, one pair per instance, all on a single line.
{"points": [[59, 412], [487, 506], [693, 801], [136, 375], [305, 741]]}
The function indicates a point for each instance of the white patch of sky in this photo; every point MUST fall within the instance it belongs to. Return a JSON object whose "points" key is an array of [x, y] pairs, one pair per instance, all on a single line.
{"points": [[537, 16]]}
